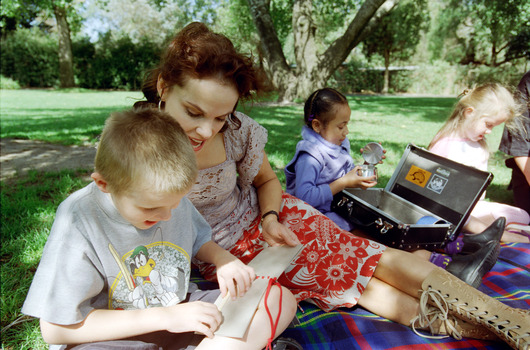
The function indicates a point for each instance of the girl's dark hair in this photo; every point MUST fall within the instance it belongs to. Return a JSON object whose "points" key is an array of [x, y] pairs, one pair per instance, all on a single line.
{"points": [[320, 104]]}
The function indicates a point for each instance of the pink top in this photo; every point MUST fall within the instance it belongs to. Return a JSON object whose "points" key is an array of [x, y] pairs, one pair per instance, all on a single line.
{"points": [[224, 194], [463, 151]]}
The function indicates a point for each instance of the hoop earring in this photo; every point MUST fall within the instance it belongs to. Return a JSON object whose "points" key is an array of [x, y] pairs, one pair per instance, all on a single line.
{"points": [[160, 105]]}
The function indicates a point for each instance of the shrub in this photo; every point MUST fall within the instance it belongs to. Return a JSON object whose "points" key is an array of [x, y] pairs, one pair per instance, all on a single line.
{"points": [[508, 74], [354, 77], [437, 78], [113, 64], [8, 83], [30, 57]]}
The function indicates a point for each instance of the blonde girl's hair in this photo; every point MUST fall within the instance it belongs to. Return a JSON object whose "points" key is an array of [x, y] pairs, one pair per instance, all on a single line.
{"points": [[486, 100], [145, 148]]}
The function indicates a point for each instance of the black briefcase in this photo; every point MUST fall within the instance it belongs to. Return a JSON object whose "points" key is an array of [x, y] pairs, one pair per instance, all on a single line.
{"points": [[424, 205]]}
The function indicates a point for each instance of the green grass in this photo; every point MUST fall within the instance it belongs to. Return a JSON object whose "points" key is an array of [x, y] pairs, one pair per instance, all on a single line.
{"points": [[27, 212], [68, 117], [76, 117]]}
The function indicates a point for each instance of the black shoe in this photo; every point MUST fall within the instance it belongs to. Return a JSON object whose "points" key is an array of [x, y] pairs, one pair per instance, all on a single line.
{"points": [[470, 268], [473, 242]]}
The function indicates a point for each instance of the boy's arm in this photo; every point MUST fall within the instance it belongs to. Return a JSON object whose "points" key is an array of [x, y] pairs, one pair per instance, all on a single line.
{"points": [[101, 325], [233, 276]]}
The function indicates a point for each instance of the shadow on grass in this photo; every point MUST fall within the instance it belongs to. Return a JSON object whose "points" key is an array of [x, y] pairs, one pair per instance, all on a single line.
{"points": [[435, 109], [63, 126]]}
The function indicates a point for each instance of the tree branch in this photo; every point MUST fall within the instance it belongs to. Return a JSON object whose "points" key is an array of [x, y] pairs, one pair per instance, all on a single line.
{"points": [[366, 19]]}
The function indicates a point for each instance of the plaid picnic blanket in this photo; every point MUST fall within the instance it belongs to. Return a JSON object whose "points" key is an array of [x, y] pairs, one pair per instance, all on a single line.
{"points": [[357, 328]]}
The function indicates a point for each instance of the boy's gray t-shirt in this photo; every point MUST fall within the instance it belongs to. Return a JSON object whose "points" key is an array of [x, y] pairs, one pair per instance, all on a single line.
{"points": [[94, 259]]}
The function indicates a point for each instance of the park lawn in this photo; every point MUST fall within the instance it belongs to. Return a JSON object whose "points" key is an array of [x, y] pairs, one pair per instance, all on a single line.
{"points": [[76, 117]]}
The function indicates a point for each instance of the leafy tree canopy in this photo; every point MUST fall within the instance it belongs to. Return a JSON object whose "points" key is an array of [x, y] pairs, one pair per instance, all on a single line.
{"points": [[484, 32]]}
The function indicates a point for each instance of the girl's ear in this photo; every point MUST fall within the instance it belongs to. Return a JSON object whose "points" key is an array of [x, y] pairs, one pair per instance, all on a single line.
{"points": [[468, 112], [160, 87], [316, 125], [100, 182]]}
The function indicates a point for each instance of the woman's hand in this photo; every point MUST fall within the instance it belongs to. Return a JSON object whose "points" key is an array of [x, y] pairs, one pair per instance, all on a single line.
{"points": [[276, 233]]}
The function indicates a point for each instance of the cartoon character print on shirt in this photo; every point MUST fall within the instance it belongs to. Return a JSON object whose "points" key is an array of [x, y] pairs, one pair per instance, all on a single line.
{"points": [[153, 275]]}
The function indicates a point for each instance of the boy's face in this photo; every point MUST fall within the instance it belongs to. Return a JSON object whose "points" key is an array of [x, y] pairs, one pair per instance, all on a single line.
{"points": [[143, 208]]}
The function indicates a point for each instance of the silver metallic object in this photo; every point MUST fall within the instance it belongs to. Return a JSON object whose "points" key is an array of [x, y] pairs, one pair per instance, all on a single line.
{"points": [[372, 155]]}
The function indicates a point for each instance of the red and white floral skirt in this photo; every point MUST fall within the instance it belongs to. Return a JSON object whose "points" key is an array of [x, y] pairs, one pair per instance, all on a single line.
{"points": [[333, 268]]}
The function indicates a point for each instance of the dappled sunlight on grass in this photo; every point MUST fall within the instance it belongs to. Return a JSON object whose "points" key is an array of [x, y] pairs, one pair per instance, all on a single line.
{"points": [[65, 117]]}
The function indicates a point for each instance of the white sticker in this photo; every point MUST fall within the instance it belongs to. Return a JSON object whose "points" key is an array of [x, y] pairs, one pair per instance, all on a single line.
{"points": [[437, 183]]}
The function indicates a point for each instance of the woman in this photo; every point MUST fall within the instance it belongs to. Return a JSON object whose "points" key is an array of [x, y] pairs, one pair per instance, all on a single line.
{"points": [[199, 82]]}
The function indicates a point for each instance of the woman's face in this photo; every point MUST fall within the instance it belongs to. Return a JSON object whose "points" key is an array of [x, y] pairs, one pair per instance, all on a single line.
{"points": [[201, 106]]}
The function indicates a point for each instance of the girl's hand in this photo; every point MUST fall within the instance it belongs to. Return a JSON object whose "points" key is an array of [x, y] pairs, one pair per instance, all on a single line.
{"points": [[354, 180], [384, 157], [196, 316], [234, 277], [276, 233]]}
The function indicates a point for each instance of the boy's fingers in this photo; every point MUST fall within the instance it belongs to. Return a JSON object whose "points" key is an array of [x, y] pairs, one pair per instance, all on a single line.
{"points": [[222, 287]]}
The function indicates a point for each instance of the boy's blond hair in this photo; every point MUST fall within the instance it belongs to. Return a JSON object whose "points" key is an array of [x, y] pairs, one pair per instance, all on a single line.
{"points": [[147, 149], [486, 100]]}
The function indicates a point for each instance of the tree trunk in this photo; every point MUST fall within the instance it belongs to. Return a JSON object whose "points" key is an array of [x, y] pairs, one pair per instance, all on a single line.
{"points": [[386, 78], [312, 69], [66, 65]]}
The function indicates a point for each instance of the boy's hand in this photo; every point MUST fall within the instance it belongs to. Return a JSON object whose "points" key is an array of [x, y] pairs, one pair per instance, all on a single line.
{"points": [[234, 277], [196, 316]]}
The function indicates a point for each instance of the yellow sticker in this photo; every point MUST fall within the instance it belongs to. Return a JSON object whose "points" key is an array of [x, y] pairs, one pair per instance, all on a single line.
{"points": [[418, 176]]}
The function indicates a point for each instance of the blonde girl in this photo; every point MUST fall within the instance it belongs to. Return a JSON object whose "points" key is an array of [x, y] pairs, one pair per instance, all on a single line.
{"points": [[462, 139]]}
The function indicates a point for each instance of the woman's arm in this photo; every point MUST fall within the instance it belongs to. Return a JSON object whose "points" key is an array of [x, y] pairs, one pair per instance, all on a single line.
{"points": [[524, 164], [270, 193], [102, 325]]}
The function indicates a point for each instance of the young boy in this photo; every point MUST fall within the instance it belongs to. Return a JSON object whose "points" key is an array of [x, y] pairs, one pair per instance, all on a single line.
{"points": [[123, 245]]}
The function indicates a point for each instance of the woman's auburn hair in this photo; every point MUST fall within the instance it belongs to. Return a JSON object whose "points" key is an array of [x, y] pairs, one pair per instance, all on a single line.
{"points": [[197, 52]]}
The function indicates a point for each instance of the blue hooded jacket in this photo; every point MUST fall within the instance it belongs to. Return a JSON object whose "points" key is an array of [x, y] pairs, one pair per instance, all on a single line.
{"points": [[315, 165]]}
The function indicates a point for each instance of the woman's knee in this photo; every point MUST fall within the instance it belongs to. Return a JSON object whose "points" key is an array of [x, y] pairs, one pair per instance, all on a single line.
{"points": [[284, 297]]}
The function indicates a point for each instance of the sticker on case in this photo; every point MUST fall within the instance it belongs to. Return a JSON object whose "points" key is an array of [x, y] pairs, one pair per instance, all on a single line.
{"points": [[418, 176], [437, 184]]}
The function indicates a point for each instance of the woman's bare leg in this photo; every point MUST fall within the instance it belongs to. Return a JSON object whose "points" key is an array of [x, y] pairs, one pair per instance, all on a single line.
{"points": [[394, 292], [403, 270], [259, 330], [389, 302]]}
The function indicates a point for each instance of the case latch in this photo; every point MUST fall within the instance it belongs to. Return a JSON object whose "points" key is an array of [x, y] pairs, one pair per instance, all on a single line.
{"points": [[384, 225]]}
